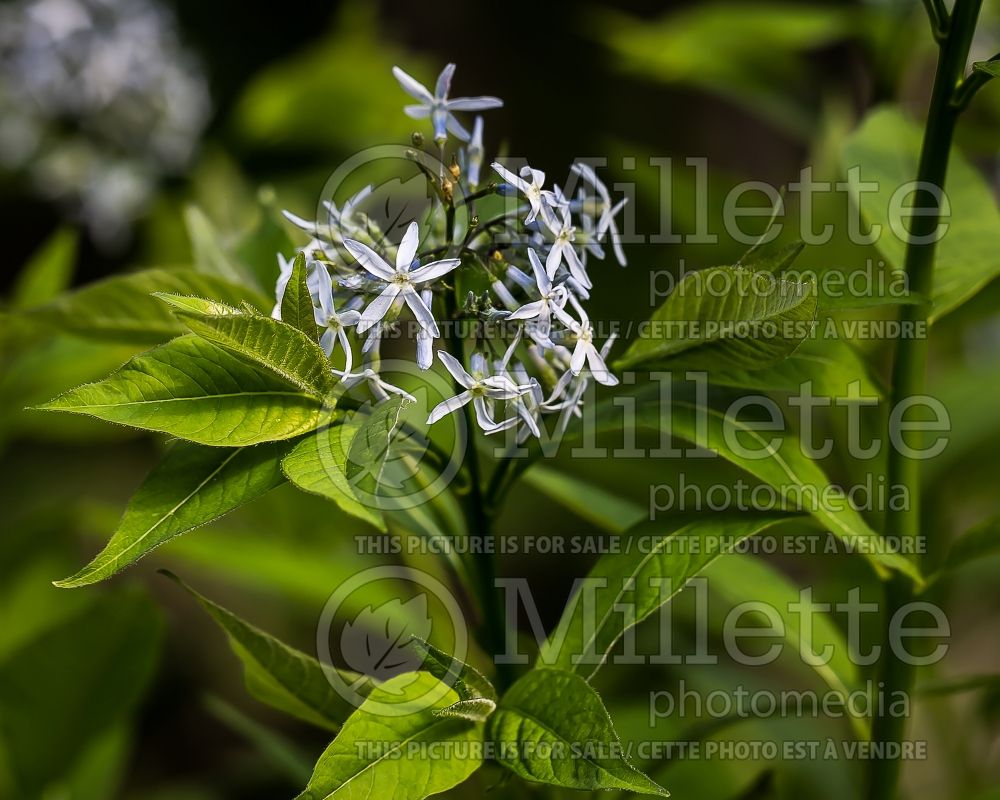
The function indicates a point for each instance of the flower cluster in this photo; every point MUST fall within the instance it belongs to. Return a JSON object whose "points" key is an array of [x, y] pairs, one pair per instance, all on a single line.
{"points": [[97, 100], [522, 275]]}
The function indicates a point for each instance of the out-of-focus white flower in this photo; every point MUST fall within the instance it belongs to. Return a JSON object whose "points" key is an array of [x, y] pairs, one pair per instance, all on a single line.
{"points": [[438, 107], [475, 151], [606, 222], [98, 101]]}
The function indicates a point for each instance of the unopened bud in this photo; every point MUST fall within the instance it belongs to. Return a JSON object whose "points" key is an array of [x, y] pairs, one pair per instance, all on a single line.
{"points": [[417, 138]]}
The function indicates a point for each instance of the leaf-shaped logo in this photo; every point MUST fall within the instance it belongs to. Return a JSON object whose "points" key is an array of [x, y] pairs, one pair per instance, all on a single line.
{"points": [[377, 641]]}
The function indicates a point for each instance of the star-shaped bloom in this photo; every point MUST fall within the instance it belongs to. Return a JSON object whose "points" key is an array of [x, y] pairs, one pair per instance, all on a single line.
{"points": [[530, 184], [563, 249], [438, 107], [380, 389], [481, 389], [606, 222], [334, 323], [338, 220], [585, 352], [400, 283], [550, 297]]}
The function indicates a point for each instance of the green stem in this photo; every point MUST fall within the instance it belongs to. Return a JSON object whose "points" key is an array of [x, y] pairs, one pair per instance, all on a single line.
{"points": [[478, 518], [909, 367]]}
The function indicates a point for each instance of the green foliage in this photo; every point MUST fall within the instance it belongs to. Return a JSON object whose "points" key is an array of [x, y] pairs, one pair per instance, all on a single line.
{"points": [[280, 676], [297, 307], [552, 727], [113, 647], [192, 389], [361, 763], [48, 272], [192, 486], [122, 309], [642, 578], [887, 148], [719, 316]]}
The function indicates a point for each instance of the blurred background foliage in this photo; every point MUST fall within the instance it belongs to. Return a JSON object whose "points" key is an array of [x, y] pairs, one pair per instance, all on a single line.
{"points": [[758, 88]]}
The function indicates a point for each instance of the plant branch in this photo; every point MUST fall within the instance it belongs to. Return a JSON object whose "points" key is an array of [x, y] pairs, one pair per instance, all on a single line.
{"points": [[938, 13], [972, 84], [909, 364]]}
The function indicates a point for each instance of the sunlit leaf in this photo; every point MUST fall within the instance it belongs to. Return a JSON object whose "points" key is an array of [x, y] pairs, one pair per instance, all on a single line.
{"points": [[191, 486], [48, 272], [726, 317], [378, 753], [552, 727], [193, 390]]}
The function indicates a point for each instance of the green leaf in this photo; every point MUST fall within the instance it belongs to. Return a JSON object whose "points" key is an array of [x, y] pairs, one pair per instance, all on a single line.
{"points": [[726, 316], [280, 676], [370, 445], [991, 68], [121, 308], [48, 272], [50, 717], [196, 305], [831, 365], [210, 256], [193, 390], [192, 486], [477, 697], [552, 727], [297, 307], [269, 344], [981, 541], [738, 578], [318, 464], [378, 754], [773, 259], [640, 578], [588, 500], [887, 148]]}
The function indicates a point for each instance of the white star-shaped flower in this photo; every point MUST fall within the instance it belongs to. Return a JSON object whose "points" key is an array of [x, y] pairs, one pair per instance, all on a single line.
{"points": [[585, 352], [400, 282], [438, 107], [480, 388], [530, 184], [333, 323], [606, 222], [550, 297]]}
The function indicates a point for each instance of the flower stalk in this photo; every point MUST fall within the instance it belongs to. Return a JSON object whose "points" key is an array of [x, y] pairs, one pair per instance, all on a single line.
{"points": [[910, 362]]}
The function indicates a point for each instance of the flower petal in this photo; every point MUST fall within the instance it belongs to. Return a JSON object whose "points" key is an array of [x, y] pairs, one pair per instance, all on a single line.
{"points": [[454, 366], [370, 260], [434, 270], [378, 307], [446, 407], [412, 86], [408, 247], [481, 103]]}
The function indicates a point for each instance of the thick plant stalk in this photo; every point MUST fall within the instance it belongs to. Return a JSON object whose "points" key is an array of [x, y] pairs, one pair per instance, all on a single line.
{"points": [[909, 365]]}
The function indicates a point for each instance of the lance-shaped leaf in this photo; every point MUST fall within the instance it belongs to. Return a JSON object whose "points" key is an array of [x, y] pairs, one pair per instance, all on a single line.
{"points": [[280, 676], [122, 308], [552, 727], [980, 541], [48, 272], [991, 68], [773, 259], [820, 644], [191, 486], [191, 389], [395, 746], [318, 464], [297, 308], [268, 344], [887, 148], [777, 460], [726, 316], [639, 579], [477, 697], [799, 481]]}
